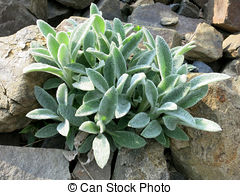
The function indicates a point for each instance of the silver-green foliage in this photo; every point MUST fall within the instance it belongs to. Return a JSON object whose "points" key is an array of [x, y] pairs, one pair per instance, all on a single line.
{"points": [[109, 87]]}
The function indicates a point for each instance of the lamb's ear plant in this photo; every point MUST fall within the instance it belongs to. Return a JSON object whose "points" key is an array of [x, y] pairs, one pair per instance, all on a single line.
{"points": [[109, 87]]}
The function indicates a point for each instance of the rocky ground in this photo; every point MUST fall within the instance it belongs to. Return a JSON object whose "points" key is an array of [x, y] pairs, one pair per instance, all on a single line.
{"points": [[214, 25]]}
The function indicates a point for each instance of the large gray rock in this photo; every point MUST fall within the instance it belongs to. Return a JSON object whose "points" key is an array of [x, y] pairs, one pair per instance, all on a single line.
{"points": [[76, 4], [233, 68], [13, 17], [16, 89], [213, 155], [150, 15], [231, 46], [189, 9], [200, 3], [147, 163], [39, 8], [32, 164], [208, 43]]}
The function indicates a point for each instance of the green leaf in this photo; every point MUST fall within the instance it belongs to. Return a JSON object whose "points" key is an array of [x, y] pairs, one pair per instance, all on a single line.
{"points": [[193, 97], [77, 68], [168, 106], [164, 57], [63, 55], [170, 122], [45, 28], [94, 9], [98, 54], [123, 107], [68, 112], [132, 44], [162, 139], [52, 83], [109, 71], [128, 139], [151, 92], [152, 130], [167, 84], [89, 42], [53, 46], [182, 69], [88, 108], [42, 113], [136, 79], [98, 80], [178, 61], [89, 127], [140, 120], [45, 99], [41, 52], [63, 128], [70, 139], [138, 68], [149, 38], [120, 62], [62, 38], [108, 105], [176, 94], [119, 28], [101, 150], [84, 84], [92, 95], [62, 94], [48, 131], [121, 82], [178, 134], [147, 58], [87, 144], [183, 115], [99, 24], [207, 78], [205, 125], [184, 49], [39, 67]]}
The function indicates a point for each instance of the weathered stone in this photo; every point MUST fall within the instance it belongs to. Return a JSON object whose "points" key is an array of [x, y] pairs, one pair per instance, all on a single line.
{"points": [[202, 67], [23, 163], [142, 2], [208, 43], [147, 163], [39, 8], [169, 21], [76, 4], [232, 68], [213, 155], [189, 9], [200, 3], [13, 17], [150, 15], [57, 12], [93, 171], [16, 89], [231, 46], [174, 7], [226, 14], [171, 36]]}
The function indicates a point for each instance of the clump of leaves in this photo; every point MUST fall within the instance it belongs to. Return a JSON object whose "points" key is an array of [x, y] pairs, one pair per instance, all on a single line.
{"points": [[109, 87]]}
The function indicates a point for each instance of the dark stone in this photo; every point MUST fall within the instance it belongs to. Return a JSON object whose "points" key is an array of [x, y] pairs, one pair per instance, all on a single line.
{"points": [[202, 67], [189, 9]]}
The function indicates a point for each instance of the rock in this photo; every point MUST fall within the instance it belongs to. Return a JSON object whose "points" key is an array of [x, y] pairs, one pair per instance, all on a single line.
{"points": [[171, 36], [39, 8], [142, 2], [13, 17], [231, 46], [232, 68], [169, 21], [150, 15], [200, 3], [226, 14], [174, 7], [142, 164], [110, 9], [16, 89], [208, 43], [163, 1], [76, 4], [93, 171], [189, 9], [57, 13], [202, 67], [22, 163], [213, 155], [126, 10]]}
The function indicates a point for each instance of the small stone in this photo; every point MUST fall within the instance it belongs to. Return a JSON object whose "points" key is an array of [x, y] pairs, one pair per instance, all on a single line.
{"points": [[202, 67], [189, 9], [231, 46], [169, 21], [232, 68], [22, 163]]}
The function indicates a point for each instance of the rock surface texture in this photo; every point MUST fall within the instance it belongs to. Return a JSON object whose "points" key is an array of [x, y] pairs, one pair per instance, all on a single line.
{"points": [[232, 68], [18, 163], [76, 4], [142, 164], [231, 46], [208, 43], [16, 89], [213, 155]]}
